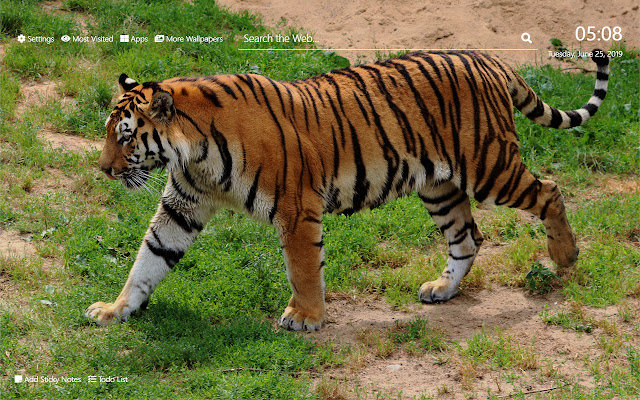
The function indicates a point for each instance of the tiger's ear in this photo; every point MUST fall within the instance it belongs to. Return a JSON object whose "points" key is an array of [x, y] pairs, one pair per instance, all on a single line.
{"points": [[161, 109], [125, 84]]}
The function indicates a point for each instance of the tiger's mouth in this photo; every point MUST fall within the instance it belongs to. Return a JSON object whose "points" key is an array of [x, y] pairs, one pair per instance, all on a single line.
{"points": [[134, 179], [110, 176]]}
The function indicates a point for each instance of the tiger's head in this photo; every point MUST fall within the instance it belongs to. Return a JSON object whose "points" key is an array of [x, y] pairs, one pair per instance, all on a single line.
{"points": [[137, 132]]}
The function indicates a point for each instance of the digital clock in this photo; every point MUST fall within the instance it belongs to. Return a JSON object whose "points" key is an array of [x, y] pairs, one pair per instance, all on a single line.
{"points": [[591, 33]]}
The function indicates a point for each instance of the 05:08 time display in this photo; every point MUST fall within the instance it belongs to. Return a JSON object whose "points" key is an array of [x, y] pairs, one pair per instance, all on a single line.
{"points": [[606, 33]]}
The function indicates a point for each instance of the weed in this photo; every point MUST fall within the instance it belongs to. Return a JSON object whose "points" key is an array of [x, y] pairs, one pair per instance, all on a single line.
{"points": [[627, 312], [499, 352], [571, 320], [633, 355], [357, 358], [468, 373], [445, 390], [611, 344], [380, 343], [332, 389], [419, 332], [539, 278]]}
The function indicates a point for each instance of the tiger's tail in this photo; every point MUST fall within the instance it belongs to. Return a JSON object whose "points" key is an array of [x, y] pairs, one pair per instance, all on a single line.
{"points": [[528, 102]]}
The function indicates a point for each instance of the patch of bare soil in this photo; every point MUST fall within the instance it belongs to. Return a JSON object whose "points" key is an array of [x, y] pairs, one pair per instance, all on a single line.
{"points": [[620, 185], [68, 142], [559, 352], [38, 93], [35, 94], [13, 244], [56, 180], [55, 7], [503, 307], [467, 24], [17, 250], [11, 298], [51, 7]]}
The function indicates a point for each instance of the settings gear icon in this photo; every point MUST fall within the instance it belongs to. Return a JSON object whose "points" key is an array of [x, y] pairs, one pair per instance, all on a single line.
{"points": [[21, 38]]}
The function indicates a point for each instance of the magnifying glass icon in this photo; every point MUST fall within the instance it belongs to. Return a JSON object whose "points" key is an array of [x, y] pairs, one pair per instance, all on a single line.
{"points": [[526, 38]]}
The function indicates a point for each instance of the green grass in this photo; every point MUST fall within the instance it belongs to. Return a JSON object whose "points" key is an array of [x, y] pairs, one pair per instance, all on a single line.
{"points": [[418, 334], [415, 338], [575, 320], [499, 351], [608, 145], [209, 329]]}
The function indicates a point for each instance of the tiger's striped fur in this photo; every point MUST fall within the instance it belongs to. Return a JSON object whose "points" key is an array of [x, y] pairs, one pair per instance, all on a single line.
{"points": [[438, 123]]}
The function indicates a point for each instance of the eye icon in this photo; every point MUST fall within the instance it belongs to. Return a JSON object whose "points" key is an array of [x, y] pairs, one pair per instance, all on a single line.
{"points": [[65, 38], [526, 38]]}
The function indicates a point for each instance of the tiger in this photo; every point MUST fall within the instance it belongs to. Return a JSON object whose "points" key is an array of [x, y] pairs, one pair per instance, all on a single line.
{"points": [[438, 123]]}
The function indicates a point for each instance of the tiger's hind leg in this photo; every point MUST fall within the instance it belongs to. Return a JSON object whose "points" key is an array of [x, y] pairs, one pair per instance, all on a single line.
{"points": [[450, 209], [544, 200]]}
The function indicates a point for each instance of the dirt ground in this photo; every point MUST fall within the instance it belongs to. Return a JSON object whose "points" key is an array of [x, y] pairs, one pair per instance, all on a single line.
{"points": [[513, 311], [460, 24]]}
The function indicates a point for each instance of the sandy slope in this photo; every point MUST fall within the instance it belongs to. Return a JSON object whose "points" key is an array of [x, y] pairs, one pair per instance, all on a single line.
{"points": [[486, 24]]}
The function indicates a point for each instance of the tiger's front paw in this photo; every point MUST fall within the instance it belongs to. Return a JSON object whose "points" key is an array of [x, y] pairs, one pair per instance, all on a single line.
{"points": [[106, 313], [299, 320], [437, 291]]}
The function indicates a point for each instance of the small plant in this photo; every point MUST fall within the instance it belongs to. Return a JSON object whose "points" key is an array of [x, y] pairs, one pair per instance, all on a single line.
{"points": [[380, 343], [540, 278], [499, 351], [626, 312], [633, 355], [331, 389], [557, 45], [574, 319], [445, 390], [418, 334]]}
